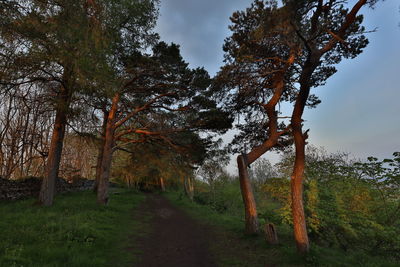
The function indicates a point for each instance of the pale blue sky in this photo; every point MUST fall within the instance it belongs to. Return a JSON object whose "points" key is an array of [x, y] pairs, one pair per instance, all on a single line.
{"points": [[360, 110]]}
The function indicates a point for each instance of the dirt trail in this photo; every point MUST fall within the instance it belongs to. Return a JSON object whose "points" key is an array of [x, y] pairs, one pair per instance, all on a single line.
{"points": [[175, 239]]}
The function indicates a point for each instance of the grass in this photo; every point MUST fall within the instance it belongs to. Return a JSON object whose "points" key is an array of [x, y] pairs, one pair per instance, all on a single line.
{"points": [[75, 231], [78, 232], [230, 247]]}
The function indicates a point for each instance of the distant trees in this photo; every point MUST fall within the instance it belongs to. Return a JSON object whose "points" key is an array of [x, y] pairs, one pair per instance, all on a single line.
{"points": [[277, 54], [262, 170], [68, 48], [57, 48]]}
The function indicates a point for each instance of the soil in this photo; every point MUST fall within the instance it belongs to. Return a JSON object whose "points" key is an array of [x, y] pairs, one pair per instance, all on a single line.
{"points": [[174, 238]]}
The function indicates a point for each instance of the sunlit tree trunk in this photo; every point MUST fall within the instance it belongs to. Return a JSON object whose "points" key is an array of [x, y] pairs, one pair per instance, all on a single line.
{"points": [[102, 190], [251, 224], [47, 190], [299, 220], [251, 220]]}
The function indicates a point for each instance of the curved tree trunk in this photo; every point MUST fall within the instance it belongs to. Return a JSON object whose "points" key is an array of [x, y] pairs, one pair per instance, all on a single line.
{"points": [[274, 134], [299, 220], [251, 220], [102, 190]]}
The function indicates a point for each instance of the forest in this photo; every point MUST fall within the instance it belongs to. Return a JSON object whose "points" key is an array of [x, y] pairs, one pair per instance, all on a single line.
{"points": [[91, 94]]}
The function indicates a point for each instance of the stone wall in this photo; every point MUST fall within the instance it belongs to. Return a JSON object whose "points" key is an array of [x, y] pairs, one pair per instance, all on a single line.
{"points": [[13, 190]]}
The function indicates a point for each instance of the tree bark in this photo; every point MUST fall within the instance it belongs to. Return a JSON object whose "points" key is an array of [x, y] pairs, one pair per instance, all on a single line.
{"points": [[100, 153], [251, 220], [162, 185], [189, 187], [102, 190], [270, 234], [299, 220], [47, 190]]}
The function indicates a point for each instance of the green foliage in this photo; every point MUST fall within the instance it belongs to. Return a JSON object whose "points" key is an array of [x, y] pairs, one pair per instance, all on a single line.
{"points": [[350, 205], [73, 232]]}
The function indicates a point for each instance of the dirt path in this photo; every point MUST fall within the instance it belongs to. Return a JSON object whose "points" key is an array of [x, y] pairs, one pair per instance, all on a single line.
{"points": [[175, 239]]}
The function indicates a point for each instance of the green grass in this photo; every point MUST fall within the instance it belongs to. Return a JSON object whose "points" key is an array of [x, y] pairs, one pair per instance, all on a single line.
{"points": [[230, 247], [75, 231]]}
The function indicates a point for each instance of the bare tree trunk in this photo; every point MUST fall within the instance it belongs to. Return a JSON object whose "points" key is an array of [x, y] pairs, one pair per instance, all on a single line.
{"points": [[63, 102], [47, 189], [162, 185], [102, 191], [189, 187], [100, 153], [270, 234], [299, 220], [251, 220]]}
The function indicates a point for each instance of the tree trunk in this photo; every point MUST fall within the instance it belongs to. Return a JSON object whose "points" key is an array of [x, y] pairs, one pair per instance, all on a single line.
{"points": [[100, 152], [271, 234], [189, 187], [102, 190], [47, 190], [63, 101], [299, 220], [251, 220], [162, 185]]}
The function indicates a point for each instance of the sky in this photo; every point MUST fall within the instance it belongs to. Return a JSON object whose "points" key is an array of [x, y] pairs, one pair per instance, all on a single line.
{"points": [[360, 109]]}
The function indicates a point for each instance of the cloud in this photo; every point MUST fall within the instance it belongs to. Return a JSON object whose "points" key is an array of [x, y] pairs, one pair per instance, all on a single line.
{"points": [[200, 27]]}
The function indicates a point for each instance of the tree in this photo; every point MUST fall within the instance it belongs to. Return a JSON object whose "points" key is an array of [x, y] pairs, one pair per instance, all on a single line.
{"points": [[213, 167], [256, 78], [159, 97], [263, 170], [332, 33], [280, 53]]}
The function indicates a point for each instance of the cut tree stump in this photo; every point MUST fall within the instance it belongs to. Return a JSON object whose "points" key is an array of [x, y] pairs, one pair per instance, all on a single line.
{"points": [[270, 234]]}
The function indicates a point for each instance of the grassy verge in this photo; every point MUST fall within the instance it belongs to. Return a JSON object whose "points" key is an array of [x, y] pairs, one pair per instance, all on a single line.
{"points": [[75, 231], [230, 247]]}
